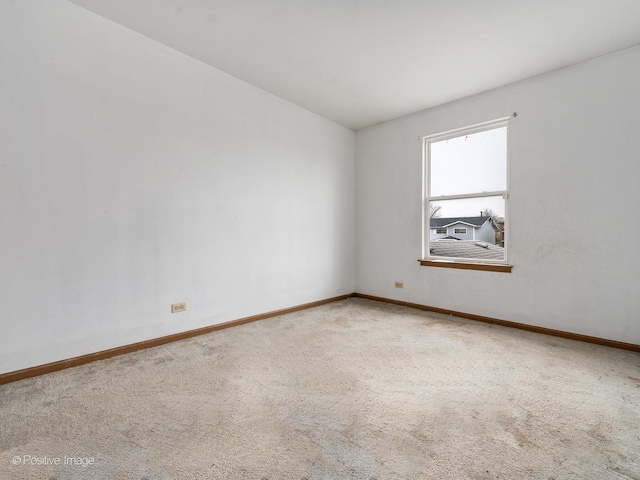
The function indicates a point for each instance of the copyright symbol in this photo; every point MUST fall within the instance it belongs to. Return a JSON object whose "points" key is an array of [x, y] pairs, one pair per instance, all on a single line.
{"points": [[16, 460]]}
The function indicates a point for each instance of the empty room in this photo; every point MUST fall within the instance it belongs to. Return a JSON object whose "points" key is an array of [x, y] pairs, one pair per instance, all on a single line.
{"points": [[319, 239]]}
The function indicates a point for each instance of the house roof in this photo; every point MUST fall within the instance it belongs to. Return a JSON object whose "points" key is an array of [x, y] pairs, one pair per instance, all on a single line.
{"points": [[445, 222], [466, 249]]}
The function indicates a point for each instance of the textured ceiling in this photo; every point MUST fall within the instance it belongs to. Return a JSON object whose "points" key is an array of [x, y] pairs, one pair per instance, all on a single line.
{"points": [[361, 62]]}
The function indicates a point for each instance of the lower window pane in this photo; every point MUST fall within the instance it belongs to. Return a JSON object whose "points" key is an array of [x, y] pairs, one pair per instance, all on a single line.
{"points": [[470, 228]]}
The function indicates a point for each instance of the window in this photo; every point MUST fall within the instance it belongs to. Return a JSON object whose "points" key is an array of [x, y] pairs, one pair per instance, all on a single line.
{"points": [[441, 231], [466, 181]]}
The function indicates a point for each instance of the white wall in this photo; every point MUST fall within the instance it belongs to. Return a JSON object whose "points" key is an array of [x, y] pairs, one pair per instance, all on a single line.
{"points": [[133, 177], [575, 176]]}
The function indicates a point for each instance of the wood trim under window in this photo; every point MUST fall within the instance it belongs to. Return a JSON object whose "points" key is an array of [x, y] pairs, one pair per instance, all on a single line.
{"points": [[488, 267]]}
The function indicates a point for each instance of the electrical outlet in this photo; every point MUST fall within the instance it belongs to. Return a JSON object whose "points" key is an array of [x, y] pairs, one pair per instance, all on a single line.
{"points": [[399, 285], [179, 307]]}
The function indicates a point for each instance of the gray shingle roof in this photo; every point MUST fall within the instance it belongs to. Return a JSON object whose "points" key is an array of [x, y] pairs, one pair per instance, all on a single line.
{"points": [[466, 249], [442, 222]]}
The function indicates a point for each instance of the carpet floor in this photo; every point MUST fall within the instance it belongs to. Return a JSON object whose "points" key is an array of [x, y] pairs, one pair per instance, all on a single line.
{"points": [[354, 389]]}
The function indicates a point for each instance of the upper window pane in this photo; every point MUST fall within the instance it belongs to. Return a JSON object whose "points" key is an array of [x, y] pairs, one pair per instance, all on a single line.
{"points": [[473, 163]]}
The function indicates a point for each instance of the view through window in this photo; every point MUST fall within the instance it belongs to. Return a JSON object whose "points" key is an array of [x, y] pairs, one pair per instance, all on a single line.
{"points": [[466, 194]]}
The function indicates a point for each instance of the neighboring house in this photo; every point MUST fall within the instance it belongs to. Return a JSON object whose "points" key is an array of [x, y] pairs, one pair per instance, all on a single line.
{"points": [[463, 228]]}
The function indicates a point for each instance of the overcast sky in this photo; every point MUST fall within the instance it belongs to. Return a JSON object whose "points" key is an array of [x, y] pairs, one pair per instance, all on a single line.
{"points": [[470, 164]]}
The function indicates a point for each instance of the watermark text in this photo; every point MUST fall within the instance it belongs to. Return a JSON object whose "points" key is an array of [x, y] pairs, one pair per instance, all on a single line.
{"points": [[46, 460]]}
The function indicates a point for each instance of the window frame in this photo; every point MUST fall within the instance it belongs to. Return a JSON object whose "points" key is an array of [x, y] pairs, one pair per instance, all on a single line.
{"points": [[441, 232], [462, 231], [461, 262]]}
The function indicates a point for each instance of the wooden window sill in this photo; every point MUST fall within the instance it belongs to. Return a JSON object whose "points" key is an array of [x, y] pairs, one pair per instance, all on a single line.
{"points": [[488, 267]]}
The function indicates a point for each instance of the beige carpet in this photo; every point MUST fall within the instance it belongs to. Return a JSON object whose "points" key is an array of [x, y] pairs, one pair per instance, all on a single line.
{"points": [[353, 389]]}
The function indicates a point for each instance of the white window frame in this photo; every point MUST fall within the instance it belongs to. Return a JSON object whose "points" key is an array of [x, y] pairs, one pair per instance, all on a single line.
{"points": [[441, 228], [426, 187], [463, 231]]}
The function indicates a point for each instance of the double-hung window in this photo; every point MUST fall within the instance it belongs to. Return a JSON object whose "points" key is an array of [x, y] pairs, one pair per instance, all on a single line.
{"points": [[466, 186]]}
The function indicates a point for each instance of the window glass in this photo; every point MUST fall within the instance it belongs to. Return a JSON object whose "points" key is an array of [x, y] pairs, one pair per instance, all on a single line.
{"points": [[473, 163]]}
